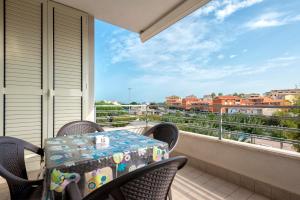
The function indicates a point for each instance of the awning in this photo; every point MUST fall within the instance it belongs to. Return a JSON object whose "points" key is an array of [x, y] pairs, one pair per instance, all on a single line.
{"points": [[146, 17]]}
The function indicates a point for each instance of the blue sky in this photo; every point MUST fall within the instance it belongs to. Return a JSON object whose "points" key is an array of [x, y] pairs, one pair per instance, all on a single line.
{"points": [[227, 46]]}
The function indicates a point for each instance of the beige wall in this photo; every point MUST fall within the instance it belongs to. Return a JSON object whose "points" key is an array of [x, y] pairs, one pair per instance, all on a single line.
{"points": [[278, 168]]}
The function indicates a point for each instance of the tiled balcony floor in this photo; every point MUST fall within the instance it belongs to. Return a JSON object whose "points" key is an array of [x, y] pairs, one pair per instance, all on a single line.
{"points": [[192, 184]]}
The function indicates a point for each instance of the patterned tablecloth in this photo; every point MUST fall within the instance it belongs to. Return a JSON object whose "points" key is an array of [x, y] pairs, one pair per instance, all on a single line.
{"points": [[70, 156]]}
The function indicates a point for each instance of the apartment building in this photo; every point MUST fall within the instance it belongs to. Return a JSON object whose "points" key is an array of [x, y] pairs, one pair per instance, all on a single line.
{"points": [[283, 94], [174, 101], [193, 103], [190, 102], [226, 100]]}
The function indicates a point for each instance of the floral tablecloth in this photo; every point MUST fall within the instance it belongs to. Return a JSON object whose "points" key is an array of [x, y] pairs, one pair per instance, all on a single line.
{"points": [[69, 157]]}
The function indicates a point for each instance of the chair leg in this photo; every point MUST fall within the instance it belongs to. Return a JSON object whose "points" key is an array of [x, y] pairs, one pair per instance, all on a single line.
{"points": [[170, 194]]}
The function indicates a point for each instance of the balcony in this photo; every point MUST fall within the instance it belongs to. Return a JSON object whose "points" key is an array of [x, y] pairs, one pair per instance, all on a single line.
{"points": [[221, 166], [54, 40]]}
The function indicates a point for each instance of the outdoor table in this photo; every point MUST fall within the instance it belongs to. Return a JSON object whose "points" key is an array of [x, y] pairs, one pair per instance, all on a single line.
{"points": [[69, 156]]}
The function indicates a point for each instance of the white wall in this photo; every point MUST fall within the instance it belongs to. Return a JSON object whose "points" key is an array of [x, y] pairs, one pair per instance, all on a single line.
{"points": [[91, 72]]}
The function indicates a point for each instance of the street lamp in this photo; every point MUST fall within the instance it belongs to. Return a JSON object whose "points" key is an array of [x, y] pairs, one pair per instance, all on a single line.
{"points": [[129, 99], [129, 95]]}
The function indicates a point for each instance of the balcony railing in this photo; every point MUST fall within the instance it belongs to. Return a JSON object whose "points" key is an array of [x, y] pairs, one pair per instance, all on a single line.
{"points": [[278, 127]]}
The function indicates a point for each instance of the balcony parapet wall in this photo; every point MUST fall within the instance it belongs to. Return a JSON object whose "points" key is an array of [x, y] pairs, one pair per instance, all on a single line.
{"points": [[269, 171]]}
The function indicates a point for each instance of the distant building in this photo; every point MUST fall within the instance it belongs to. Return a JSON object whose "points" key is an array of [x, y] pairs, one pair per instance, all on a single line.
{"points": [[262, 100], [174, 101], [248, 111], [251, 95], [207, 97], [287, 94], [139, 110], [292, 98], [189, 102], [253, 111], [204, 105], [226, 100], [193, 103], [210, 104], [259, 101]]}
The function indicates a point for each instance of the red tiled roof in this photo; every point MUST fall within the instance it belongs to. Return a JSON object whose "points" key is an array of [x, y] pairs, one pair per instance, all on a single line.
{"points": [[227, 97]]}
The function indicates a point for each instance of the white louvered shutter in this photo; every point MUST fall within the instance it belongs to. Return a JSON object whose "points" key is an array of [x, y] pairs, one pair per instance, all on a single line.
{"points": [[24, 98], [68, 30]]}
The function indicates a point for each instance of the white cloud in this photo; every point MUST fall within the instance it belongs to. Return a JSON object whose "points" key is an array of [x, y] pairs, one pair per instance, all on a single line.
{"points": [[233, 6], [185, 46], [211, 7], [222, 9], [296, 18], [283, 58], [182, 51], [272, 19], [182, 48], [208, 79], [220, 56]]}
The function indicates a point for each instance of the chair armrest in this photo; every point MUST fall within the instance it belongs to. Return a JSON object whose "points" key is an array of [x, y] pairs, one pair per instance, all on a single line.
{"points": [[148, 132], [34, 149], [17, 180], [73, 192]]}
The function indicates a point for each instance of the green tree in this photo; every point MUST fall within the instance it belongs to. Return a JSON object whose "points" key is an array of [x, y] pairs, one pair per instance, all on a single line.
{"points": [[220, 94], [242, 95], [290, 119], [102, 103], [213, 95]]}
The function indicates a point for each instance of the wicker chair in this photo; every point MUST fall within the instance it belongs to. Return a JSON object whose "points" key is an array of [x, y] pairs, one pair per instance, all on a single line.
{"points": [[13, 169], [152, 182], [165, 132], [79, 127]]}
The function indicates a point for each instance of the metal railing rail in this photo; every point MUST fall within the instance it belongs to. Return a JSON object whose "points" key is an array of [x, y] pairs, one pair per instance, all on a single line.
{"points": [[288, 141], [248, 125]]}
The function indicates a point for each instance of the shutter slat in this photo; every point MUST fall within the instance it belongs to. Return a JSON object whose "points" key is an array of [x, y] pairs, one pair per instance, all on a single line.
{"points": [[24, 5], [66, 109], [25, 59], [25, 71], [16, 37]]}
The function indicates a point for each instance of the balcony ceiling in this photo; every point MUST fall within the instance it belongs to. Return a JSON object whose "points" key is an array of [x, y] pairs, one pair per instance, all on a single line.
{"points": [[147, 17]]}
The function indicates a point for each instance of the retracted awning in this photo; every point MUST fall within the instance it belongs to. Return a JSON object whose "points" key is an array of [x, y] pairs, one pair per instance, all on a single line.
{"points": [[146, 17]]}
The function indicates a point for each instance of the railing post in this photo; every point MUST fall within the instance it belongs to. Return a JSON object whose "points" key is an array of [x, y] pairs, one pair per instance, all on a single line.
{"points": [[252, 139], [146, 116], [220, 124], [95, 113]]}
